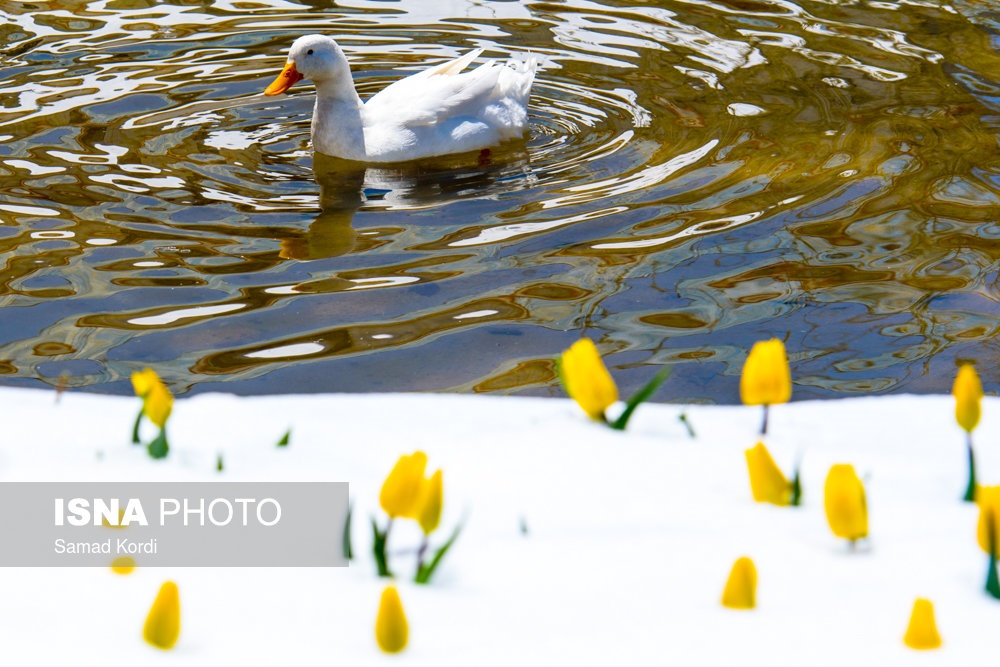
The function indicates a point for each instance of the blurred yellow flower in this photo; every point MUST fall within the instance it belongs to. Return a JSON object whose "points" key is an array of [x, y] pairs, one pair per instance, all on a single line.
{"points": [[767, 482], [968, 393], [988, 499], [391, 628], [163, 624], [123, 565], [766, 378], [586, 380], [157, 402], [844, 500], [401, 489], [741, 587], [431, 502], [922, 633]]}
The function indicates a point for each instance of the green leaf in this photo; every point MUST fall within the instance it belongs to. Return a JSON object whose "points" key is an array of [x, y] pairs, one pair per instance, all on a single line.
{"points": [[285, 439], [426, 570], [639, 397], [218, 463], [159, 448], [379, 540], [346, 538], [135, 428]]}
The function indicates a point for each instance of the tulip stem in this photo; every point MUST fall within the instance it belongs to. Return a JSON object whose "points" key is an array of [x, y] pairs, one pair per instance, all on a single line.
{"points": [[687, 424], [970, 489], [420, 555], [135, 428], [763, 424]]}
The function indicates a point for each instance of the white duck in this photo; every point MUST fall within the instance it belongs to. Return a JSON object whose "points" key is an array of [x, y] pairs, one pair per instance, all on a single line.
{"points": [[438, 111]]}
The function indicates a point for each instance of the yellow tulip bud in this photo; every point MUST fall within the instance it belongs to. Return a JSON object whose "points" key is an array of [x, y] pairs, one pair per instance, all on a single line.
{"points": [[922, 633], [767, 482], [766, 378], [741, 587], [968, 393], [844, 500], [163, 624], [123, 565], [586, 380], [431, 502], [157, 402], [143, 381], [391, 628], [988, 499], [401, 489]]}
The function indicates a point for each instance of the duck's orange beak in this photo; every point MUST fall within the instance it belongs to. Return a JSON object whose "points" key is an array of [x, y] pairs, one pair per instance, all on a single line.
{"points": [[285, 80]]}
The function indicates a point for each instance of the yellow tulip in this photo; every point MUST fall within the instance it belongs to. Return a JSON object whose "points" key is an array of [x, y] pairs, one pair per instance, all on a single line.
{"points": [[741, 587], [157, 402], [431, 502], [767, 482], [163, 624], [766, 378], [922, 633], [143, 381], [586, 380], [988, 499], [968, 393], [123, 565], [401, 489], [844, 500], [391, 628]]}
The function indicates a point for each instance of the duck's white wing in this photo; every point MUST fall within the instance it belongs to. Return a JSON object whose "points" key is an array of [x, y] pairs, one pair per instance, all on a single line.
{"points": [[436, 95]]}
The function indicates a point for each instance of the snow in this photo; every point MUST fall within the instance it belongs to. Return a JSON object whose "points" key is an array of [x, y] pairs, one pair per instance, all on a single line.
{"points": [[630, 536]]}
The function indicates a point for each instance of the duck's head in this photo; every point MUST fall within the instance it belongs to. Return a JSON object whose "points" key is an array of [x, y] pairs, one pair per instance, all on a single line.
{"points": [[315, 57]]}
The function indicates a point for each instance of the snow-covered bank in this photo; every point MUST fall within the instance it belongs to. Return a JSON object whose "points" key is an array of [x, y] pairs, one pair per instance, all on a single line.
{"points": [[629, 535]]}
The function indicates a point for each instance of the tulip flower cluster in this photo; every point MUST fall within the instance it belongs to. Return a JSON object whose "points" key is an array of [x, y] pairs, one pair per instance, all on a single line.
{"points": [[408, 494], [157, 403], [586, 380], [766, 380]]}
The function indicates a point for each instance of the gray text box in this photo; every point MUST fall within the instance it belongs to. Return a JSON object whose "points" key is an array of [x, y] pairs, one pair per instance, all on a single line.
{"points": [[213, 524]]}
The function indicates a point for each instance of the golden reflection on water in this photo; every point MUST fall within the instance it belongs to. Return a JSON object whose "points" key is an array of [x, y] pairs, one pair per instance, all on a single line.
{"points": [[699, 175]]}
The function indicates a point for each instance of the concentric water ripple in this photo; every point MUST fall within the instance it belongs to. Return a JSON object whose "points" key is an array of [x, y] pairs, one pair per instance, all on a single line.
{"points": [[697, 175]]}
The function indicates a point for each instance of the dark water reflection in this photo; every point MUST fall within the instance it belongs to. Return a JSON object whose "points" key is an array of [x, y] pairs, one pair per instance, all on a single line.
{"points": [[699, 175]]}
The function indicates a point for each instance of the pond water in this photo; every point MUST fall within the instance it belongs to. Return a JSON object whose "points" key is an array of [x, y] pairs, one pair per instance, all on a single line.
{"points": [[699, 175]]}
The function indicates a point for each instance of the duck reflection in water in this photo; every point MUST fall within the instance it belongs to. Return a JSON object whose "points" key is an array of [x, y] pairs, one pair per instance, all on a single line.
{"points": [[347, 186]]}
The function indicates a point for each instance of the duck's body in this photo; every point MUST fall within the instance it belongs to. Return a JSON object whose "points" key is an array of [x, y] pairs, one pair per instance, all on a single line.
{"points": [[439, 111]]}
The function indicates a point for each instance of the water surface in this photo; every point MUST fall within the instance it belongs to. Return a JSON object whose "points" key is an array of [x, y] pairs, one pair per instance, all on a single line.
{"points": [[698, 175]]}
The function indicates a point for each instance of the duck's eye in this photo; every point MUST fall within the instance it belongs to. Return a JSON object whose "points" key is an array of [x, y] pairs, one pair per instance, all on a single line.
{"points": [[309, 52]]}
